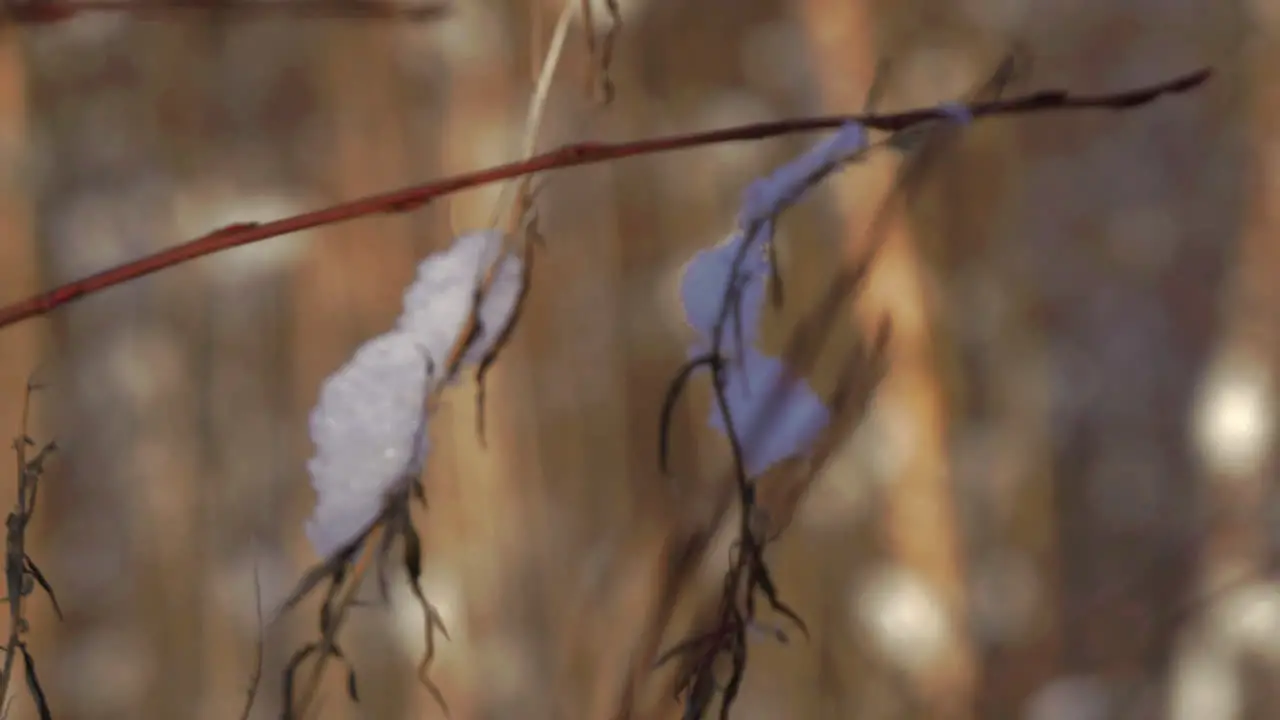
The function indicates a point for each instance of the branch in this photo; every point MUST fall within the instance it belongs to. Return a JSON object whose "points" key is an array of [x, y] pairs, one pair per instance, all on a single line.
{"points": [[411, 198]]}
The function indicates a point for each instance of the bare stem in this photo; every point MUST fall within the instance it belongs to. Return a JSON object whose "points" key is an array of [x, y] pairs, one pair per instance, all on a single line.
{"points": [[411, 198]]}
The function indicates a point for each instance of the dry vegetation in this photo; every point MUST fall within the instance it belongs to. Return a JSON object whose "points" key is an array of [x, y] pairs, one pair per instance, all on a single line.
{"points": [[1048, 495]]}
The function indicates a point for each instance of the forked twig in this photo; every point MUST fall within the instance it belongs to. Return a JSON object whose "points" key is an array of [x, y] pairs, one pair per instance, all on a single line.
{"points": [[20, 571]]}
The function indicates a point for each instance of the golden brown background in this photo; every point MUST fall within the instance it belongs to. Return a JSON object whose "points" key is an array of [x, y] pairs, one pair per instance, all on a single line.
{"points": [[1060, 507]]}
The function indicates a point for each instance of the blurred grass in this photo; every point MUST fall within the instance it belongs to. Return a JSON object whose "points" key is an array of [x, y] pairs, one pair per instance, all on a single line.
{"points": [[1010, 534]]}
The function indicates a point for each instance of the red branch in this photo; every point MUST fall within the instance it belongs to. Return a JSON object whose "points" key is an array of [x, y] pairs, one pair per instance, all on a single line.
{"points": [[407, 199]]}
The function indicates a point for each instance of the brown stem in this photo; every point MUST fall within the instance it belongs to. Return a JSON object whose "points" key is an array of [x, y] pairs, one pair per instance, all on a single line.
{"points": [[411, 198]]}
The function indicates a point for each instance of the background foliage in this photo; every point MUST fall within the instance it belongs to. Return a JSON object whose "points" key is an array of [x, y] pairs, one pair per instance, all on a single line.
{"points": [[1059, 507]]}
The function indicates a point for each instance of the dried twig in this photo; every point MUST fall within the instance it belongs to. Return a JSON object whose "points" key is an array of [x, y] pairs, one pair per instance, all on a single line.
{"points": [[733, 614], [516, 215], [729, 618], [599, 79], [344, 573], [20, 571]]}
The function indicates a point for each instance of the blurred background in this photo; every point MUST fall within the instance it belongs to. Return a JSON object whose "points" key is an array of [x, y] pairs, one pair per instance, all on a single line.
{"points": [[1059, 506]]}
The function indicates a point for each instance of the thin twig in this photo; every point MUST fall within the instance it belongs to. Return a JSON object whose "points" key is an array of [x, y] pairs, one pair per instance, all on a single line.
{"points": [[732, 614], [507, 212], [341, 600], [575, 155], [21, 574], [517, 219]]}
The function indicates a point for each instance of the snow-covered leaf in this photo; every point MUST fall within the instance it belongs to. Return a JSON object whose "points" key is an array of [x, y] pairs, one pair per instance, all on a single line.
{"points": [[776, 415], [438, 304], [707, 276], [768, 196], [369, 431]]}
